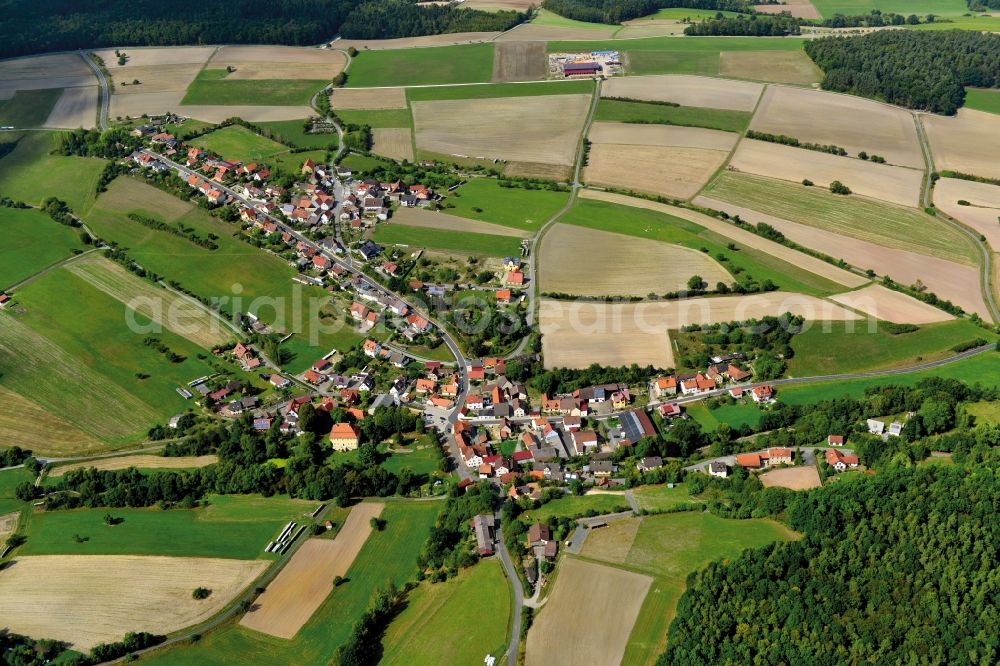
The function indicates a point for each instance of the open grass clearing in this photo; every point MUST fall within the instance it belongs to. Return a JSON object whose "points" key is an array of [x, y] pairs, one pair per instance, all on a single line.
{"points": [[854, 216], [424, 634], [615, 542], [774, 66], [666, 171], [294, 131], [920, 7], [967, 142], [217, 87], [519, 61], [764, 258], [420, 217], [76, 107], [499, 5], [892, 184], [515, 207], [237, 143], [700, 91], [589, 262], [561, 634], [983, 99], [31, 173], [793, 478], [459, 242], [984, 412], [389, 554], [494, 90], [306, 581], [80, 599], [853, 123], [31, 241], [27, 424], [139, 462], [466, 63], [637, 28], [686, 116], [657, 498], [342, 99], [531, 129], [843, 347], [577, 505], [983, 213], [29, 108], [10, 479], [548, 26], [734, 415], [393, 142], [893, 306]]}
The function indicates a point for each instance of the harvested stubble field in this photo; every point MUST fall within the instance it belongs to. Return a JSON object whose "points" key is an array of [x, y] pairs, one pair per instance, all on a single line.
{"points": [[614, 542], [305, 582], [888, 305], [155, 56], [562, 633], [29, 425], [519, 61], [90, 599], [543, 128], [63, 70], [983, 213], [419, 217], [967, 143], [797, 8], [773, 66], [279, 62], [898, 185], [153, 78], [662, 135], [793, 478], [854, 216], [851, 122], [576, 334], [76, 107], [699, 91], [393, 142], [368, 98], [139, 462], [181, 315], [743, 237], [949, 280], [667, 171], [638, 28], [519, 169], [574, 260]]}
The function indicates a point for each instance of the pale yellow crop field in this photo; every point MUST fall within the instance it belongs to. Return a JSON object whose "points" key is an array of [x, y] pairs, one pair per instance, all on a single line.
{"points": [[420, 217], [76, 107], [662, 135], [983, 213], [888, 305], [139, 462], [701, 91], [667, 171], [967, 143], [774, 66], [396, 143]]}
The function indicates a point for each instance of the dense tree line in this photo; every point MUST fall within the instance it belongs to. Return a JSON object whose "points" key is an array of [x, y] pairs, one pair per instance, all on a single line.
{"points": [[364, 647], [762, 25], [451, 544], [616, 11], [786, 140], [918, 70], [875, 19], [897, 567], [385, 19]]}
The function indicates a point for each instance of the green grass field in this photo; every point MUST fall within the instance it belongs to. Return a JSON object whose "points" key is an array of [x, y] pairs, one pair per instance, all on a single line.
{"points": [[32, 174], [654, 225], [838, 349], [465, 63], [363, 163], [680, 13], [987, 23], [427, 633], [510, 206], [237, 143], [983, 99], [576, 505], [294, 131], [673, 55], [532, 89], [387, 555], [687, 116], [906, 7], [239, 527], [31, 241], [29, 108], [9, 480], [984, 412], [983, 369], [660, 497], [377, 117], [420, 461], [671, 546], [545, 17], [291, 163], [854, 216], [212, 87], [459, 242], [735, 415]]}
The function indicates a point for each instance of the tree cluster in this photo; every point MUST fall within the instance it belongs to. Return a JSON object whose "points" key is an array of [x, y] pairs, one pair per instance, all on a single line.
{"points": [[875, 19], [616, 11], [385, 19], [451, 544], [755, 25], [915, 69]]}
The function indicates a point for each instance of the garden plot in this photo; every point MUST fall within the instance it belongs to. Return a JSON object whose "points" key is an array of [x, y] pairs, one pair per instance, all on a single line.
{"points": [[420, 217], [90, 599], [851, 122], [879, 181], [949, 280], [519, 61], [542, 129], [588, 262], [774, 66], [888, 305], [77, 107], [700, 91], [306, 581], [564, 631], [983, 211], [967, 143], [396, 143], [368, 98], [278, 62], [139, 462]]}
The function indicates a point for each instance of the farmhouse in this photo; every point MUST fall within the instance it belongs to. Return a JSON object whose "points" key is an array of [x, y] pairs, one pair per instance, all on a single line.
{"points": [[483, 526], [841, 461], [538, 535], [835, 440], [762, 459], [637, 425], [344, 437]]}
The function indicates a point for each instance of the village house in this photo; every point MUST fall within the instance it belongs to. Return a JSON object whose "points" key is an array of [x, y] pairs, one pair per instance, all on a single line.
{"points": [[835, 440], [280, 382], [841, 461], [718, 468], [698, 384], [538, 535], [762, 394], [662, 386], [649, 463], [344, 437]]}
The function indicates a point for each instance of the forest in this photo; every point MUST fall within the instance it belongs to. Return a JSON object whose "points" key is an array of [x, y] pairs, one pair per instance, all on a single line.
{"points": [[59, 25], [919, 70], [616, 11], [899, 567], [755, 25]]}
